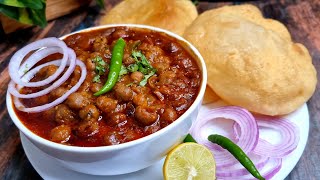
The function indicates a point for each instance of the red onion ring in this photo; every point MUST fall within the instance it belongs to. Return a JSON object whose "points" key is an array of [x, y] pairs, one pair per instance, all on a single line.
{"points": [[36, 57], [273, 171], [59, 100], [288, 133], [247, 141], [17, 58], [232, 171], [238, 174], [44, 47], [30, 74], [227, 168]]}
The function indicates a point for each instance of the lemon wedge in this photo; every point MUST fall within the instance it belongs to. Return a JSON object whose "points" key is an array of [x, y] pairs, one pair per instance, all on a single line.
{"points": [[189, 161]]}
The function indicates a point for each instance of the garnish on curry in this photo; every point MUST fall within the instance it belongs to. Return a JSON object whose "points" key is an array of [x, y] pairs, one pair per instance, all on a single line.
{"points": [[157, 83]]}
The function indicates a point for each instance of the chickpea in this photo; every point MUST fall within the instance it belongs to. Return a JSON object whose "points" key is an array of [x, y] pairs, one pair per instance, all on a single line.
{"points": [[75, 76], [77, 100], [146, 115], [87, 128], [60, 133], [58, 92], [47, 71], [50, 113], [112, 138], [167, 77], [42, 100], [121, 33], [140, 100], [180, 104], [152, 81], [180, 83], [91, 66], [100, 43], [161, 66], [83, 42], [116, 119], [137, 76], [151, 99], [165, 90], [123, 92], [64, 115], [85, 86], [153, 128], [106, 104], [95, 87], [159, 95], [90, 112], [83, 55], [51, 70], [130, 135], [172, 47], [127, 59], [169, 115], [43, 70]]}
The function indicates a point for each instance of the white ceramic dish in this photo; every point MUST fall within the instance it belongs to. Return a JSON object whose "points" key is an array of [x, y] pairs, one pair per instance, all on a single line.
{"points": [[49, 169], [127, 157]]}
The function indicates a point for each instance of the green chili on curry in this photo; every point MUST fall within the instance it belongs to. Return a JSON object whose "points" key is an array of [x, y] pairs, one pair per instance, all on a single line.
{"points": [[115, 67]]}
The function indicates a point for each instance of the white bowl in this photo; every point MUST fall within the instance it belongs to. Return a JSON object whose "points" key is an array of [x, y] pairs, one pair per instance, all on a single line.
{"points": [[127, 157]]}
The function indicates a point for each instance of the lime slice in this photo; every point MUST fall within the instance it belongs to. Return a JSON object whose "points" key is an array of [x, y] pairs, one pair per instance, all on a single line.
{"points": [[189, 161]]}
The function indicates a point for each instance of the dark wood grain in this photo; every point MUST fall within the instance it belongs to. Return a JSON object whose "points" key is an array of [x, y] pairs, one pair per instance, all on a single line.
{"points": [[301, 17]]}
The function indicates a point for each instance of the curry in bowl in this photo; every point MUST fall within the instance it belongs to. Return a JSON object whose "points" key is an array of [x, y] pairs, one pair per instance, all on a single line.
{"points": [[156, 83]]}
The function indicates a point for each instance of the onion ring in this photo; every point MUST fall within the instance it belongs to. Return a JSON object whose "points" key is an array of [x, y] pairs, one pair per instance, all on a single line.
{"points": [[271, 154], [15, 92], [59, 100], [247, 141], [243, 175], [288, 133], [17, 58], [36, 57]]}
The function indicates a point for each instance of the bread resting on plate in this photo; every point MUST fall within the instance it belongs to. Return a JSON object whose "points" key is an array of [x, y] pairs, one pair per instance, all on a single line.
{"points": [[252, 61], [172, 15]]}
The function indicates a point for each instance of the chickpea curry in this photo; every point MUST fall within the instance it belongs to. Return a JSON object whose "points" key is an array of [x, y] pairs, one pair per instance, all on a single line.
{"points": [[157, 82]]}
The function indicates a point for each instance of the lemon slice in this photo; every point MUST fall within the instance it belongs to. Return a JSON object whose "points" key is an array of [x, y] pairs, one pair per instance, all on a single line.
{"points": [[189, 161]]}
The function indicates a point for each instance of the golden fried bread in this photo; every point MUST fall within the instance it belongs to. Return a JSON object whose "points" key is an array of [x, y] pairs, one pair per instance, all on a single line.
{"points": [[210, 96], [172, 15], [252, 65], [253, 14]]}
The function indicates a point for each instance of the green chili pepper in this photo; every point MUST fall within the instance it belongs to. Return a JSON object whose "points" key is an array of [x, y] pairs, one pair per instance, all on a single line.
{"points": [[115, 67], [189, 138], [237, 152]]}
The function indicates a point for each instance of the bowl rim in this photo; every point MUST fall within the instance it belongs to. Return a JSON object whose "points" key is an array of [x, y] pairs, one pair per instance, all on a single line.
{"points": [[79, 149]]}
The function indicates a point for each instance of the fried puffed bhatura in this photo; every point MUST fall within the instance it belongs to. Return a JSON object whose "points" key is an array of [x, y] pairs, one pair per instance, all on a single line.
{"points": [[252, 61], [172, 15]]}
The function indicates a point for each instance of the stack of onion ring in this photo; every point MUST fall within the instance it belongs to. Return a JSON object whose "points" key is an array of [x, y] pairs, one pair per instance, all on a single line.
{"points": [[22, 73], [246, 135]]}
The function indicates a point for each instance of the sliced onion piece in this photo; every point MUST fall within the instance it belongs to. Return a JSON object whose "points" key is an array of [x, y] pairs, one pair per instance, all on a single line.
{"points": [[273, 165], [59, 100], [36, 57], [239, 170], [247, 141], [289, 134], [274, 170], [17, 58], [72, 63]]}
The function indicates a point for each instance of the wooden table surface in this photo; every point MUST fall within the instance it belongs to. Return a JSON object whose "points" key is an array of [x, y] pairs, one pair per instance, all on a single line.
{"points": [[301, 17]]}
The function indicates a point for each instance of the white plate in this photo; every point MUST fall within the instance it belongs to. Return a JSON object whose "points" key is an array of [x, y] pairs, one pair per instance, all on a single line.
{"points": [[49, 169]]}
